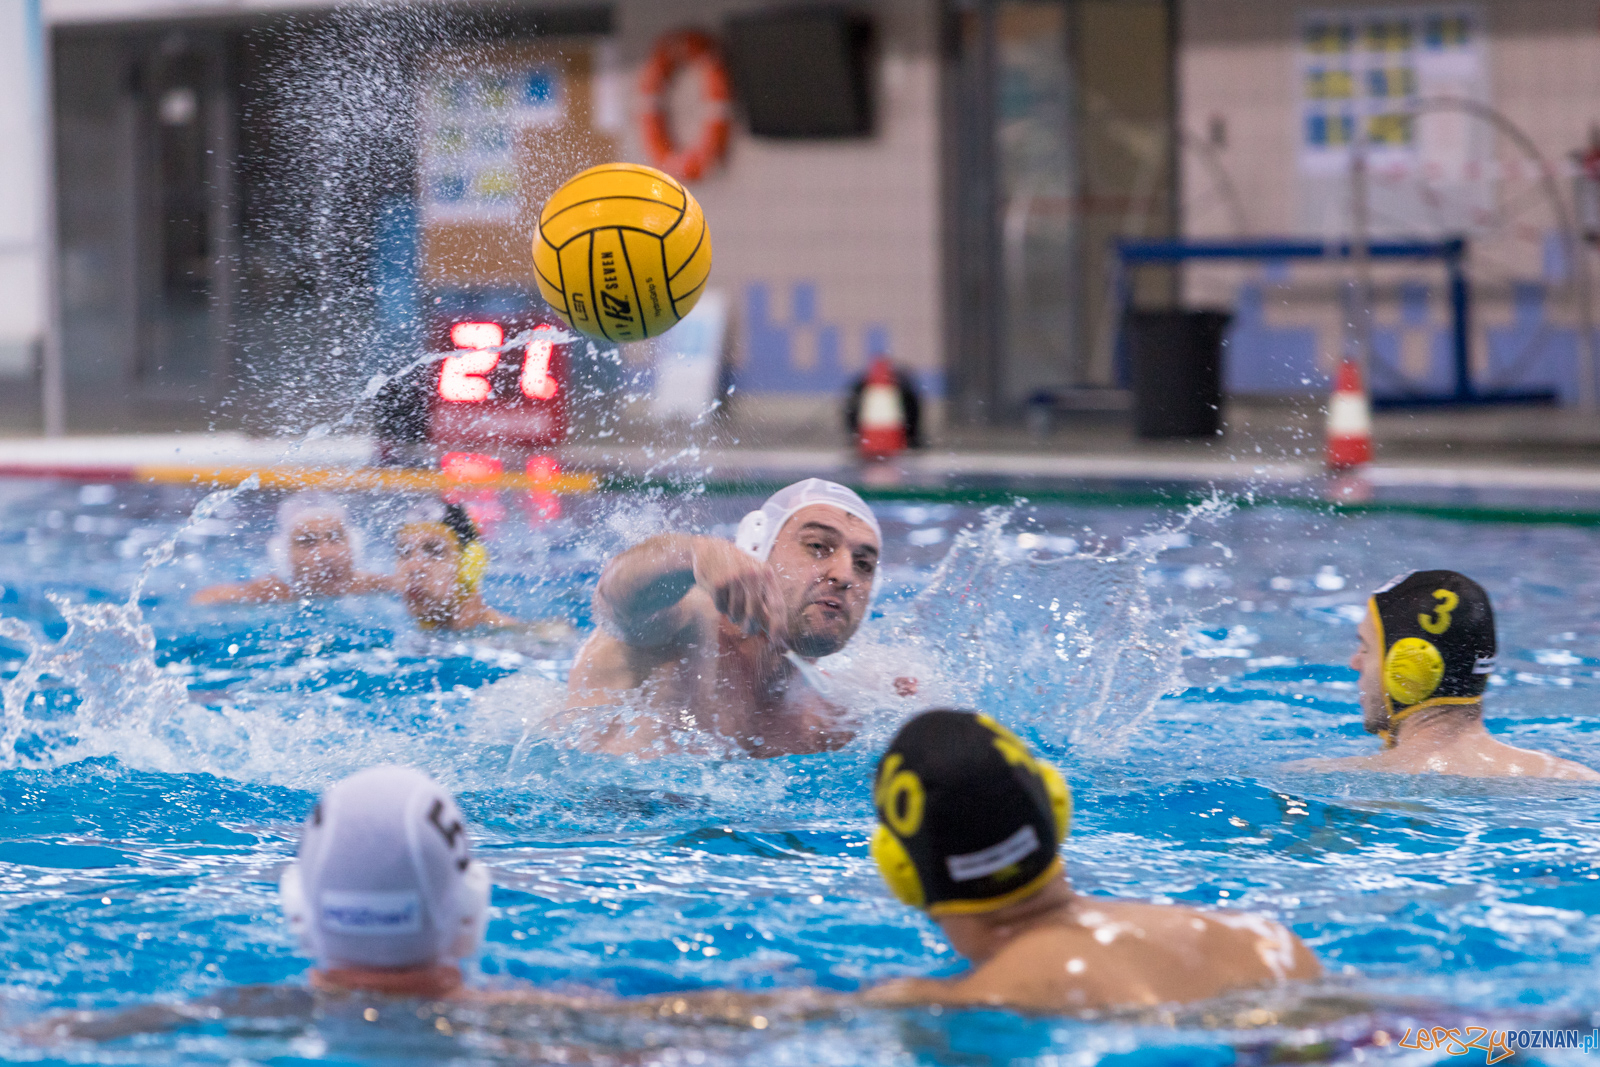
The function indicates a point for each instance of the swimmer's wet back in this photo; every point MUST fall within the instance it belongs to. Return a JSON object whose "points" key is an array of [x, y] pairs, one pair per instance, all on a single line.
{"points": [[969, 820], [1436, 635]]}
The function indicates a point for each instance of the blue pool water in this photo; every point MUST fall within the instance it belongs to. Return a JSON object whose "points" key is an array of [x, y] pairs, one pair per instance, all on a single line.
{"points": [[156, 759]]}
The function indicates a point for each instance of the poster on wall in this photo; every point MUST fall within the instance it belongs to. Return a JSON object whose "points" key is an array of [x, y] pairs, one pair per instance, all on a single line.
{"points": [[1386, 78], [499, 127], [469, 126]]}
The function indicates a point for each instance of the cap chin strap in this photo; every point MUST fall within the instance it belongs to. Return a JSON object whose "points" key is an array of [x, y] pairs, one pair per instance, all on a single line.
{"points": [[458, 932]]}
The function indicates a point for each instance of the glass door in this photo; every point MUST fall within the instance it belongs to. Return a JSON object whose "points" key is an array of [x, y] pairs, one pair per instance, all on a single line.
{"points": [[1061, 115]]}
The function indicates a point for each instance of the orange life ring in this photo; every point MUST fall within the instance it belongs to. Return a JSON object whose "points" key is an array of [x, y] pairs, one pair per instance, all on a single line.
{"points": [[672, 52]]}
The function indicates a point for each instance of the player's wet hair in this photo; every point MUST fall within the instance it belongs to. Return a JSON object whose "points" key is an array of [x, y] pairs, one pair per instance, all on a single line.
{"points": [[1435, 632], [968, 820]]}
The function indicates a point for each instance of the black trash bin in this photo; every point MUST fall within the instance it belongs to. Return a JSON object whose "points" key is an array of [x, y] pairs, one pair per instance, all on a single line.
{"points": [[1175, 370]]}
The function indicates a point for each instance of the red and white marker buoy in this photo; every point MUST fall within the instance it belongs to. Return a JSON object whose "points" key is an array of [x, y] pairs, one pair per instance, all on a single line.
{"points": [[1349, 420], [881, 427]]}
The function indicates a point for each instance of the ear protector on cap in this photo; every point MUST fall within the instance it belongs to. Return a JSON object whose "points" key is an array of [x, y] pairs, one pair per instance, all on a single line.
{"points": [[894, 864], [751, 535], [471, 912], [473, 565], [292, 899], [1412, 670]]}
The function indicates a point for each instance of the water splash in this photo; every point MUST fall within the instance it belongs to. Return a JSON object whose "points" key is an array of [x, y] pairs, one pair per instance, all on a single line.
{"points": [[1072, 647], [1074, 637], [106, 660]]}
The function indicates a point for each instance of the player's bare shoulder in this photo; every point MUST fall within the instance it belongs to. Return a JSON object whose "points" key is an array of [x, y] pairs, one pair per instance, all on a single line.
{"points": [[1523, 762], [1128, 952], [1057, 967]]}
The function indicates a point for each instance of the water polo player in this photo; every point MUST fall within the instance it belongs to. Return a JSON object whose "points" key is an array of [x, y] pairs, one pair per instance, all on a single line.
{"points": [[439, 569], [315, 552], [384, 896], [969, 829], [1426, 654], [696, 633]]}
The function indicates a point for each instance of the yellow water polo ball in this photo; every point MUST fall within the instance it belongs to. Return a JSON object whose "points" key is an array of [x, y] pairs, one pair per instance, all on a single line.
{"points": [[622, 252]]}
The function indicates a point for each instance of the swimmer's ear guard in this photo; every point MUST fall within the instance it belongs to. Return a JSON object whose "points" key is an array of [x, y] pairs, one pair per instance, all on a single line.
{"points": [[470, 913], [292, 899], [1435, 632], [1412, 671], [969, 820], [472, 566], [751, 537]]}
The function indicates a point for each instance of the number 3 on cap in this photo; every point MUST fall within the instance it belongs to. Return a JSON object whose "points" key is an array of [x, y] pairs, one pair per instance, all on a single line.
{"points": [[1439, 621]]}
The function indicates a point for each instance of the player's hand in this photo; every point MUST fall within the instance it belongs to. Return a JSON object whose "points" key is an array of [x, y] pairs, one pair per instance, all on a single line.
{"points": [[906, 687], [744, 590]]}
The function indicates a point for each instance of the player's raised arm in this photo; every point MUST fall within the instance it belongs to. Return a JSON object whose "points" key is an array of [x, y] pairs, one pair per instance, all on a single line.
{"points": [[644, 593], [718, 639]]}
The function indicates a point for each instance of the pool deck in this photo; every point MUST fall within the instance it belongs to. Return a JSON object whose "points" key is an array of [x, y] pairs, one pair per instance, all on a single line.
{"points": [[1269, 446], [125, 456]]}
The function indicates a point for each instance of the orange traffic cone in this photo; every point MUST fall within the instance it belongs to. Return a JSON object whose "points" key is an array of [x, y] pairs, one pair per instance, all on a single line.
{"points": [[881, 429], [1349, 420]]}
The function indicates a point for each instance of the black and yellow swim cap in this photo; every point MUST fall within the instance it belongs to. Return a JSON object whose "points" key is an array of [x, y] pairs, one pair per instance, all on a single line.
{"points": [[1436, 635], [968, 820]]}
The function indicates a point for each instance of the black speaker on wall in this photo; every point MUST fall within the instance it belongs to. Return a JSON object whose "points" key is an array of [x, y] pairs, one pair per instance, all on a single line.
{"points": [[803, 73]]}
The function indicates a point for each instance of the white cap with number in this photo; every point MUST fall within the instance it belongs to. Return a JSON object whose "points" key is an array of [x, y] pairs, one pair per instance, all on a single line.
{"points": [[384, 876]]}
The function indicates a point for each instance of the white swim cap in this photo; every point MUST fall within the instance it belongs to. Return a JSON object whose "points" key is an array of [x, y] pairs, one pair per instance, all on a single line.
{"points": [[384, 878], [298, 506], [758, 531]]}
